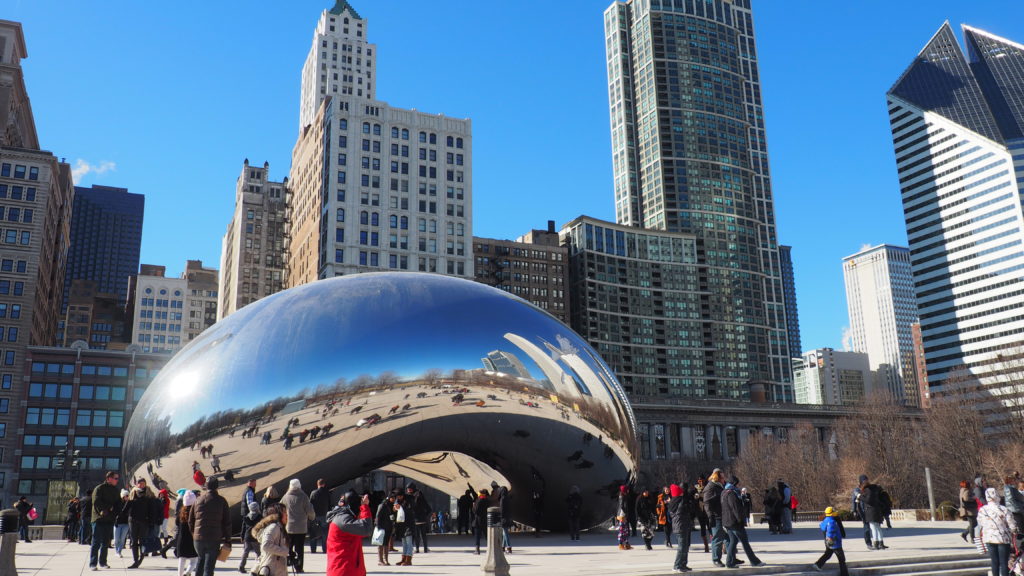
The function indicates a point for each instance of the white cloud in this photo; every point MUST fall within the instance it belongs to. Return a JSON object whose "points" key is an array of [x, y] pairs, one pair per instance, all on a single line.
{"points": [[82, 168], [847, 339]]}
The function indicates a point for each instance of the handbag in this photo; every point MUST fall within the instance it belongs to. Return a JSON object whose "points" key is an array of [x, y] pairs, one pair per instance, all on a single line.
{"points": [[378, 537], [830, 543], [32, 514], [225, 551], [400, 517]]}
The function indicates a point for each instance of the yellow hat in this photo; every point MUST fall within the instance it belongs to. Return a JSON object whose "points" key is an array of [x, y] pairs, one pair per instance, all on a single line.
{"points": [[829, 511]]}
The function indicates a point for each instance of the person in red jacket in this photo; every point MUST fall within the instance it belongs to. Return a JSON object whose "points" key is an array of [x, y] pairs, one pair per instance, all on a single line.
{"points": [[345, 534]]}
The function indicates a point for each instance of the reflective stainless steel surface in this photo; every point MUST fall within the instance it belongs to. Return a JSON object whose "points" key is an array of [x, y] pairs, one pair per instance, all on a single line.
{"points": [[419, 373]]}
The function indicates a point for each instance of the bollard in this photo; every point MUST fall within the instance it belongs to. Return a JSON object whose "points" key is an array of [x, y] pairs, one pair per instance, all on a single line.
{"points": [[495, 562], [8, 540]]}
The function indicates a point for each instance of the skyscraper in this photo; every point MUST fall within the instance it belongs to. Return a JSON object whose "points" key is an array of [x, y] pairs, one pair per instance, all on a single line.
{"points": [[374, 187], [957, 125], [690, 156], [882, 309], [252, 257], [36, 192], [106, 237], [789, 296]]}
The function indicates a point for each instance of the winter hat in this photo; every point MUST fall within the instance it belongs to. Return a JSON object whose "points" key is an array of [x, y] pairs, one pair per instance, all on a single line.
{"points": [[990, 495], [189, 498], [675, 491], [294, 484], [352, 500], [734, 480], [212, 483], [124, 492], [494, 485], [863, 478], [254, 507], [181, 492], [829, 511]]}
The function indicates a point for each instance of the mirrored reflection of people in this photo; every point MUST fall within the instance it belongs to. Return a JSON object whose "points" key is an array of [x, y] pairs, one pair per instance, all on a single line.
{"points": [[273, 542], [300, 513], [834, 532], [347, 524]]}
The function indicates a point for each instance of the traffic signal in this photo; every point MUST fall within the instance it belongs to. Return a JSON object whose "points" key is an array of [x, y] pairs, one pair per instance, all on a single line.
{"points": [[75, 461], [58, 462]]}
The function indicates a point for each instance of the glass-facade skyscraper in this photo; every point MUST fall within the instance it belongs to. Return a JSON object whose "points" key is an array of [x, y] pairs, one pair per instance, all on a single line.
{"points": [[957, 123], [690, 156], [106, 237]]}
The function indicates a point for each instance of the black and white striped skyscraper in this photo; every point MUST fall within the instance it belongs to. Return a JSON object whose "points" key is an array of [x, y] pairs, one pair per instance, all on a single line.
{"points": [[957, 123]]}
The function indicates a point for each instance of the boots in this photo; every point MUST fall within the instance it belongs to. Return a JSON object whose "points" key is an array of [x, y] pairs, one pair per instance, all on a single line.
{"points": [[880, 546], [406, 561], [704, 537]]}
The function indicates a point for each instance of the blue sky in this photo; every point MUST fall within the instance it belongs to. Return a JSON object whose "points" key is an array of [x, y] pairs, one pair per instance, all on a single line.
{"points": [[168, 98]]}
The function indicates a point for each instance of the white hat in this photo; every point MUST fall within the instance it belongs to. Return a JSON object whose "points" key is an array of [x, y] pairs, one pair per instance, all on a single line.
{"points": [[294, 484], [189, 499], [124, 492]]}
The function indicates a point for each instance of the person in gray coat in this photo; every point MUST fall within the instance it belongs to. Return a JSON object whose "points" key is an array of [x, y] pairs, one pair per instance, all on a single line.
{"points": [[300, 513]]}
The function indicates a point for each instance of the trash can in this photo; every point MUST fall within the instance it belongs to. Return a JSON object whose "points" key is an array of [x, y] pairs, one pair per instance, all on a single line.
{"points": [[8, 540]]}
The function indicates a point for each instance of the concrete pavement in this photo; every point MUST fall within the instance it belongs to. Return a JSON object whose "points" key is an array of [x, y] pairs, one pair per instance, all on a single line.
{"points": [[595, 554]]}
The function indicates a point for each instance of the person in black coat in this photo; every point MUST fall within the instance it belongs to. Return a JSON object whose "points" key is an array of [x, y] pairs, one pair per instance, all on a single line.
{"points": [[646, 516], [140, 518], [682, 507], [870, 500], [184, 546], [480, 506], [23, 506], [573, 509], [734, 519], [465, 509], [385, 520]]}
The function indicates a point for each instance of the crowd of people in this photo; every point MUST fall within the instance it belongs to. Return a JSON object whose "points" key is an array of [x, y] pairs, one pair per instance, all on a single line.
{"points": [[995, 520]]}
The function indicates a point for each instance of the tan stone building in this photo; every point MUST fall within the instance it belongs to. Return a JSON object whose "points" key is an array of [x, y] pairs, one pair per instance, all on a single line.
{"points": [[253, 248], [36, 193], [202, 291]]}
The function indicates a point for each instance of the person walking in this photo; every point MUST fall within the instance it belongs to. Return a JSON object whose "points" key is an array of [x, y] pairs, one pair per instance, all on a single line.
{"points": [[573, 509], [300, 512], [968, 511], [871, 501], [1014, 500], [421, 510], [85, 526], [385, 521], [505, 504], [786, 494], [834, 532], [106, 501], [184, 547], [997, 530], [661, 509], [210, 523], [646, 517], [140, 519], [121, 525], [321, 501], [773, 509], [348, 524], [23, 506], [681, 510], [270, 532], [250, 543], [734, 520], [712, 495]]}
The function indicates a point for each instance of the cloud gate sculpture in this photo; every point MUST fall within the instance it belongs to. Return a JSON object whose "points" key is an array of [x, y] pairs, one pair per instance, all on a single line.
{"points": [[444, 380]]}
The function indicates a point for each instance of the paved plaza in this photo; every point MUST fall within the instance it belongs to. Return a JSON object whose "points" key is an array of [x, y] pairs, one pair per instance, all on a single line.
{"points": [[554, 554]]}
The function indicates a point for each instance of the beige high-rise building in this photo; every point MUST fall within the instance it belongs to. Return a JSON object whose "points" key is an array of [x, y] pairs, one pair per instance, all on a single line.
{"points": [[202, 290], [376, 188], [36, 195], [252, 261]]}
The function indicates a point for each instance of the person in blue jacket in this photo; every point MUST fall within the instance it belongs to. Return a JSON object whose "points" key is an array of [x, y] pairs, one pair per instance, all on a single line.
{"points": [[832, 526]]}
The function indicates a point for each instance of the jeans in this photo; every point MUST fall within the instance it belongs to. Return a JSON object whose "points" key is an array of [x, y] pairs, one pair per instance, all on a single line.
{"points": [[1000, 556], [718, 537], [683, 550], [319, 534], [23, 531], [207, 551], [407, 543], [787, 520], [249, 546], [668, 532], [120, 537], [736, 536], [421, 535], [876, 531], [972, 525], [867, 532], [85, 532], [505, 540], [102, 532], [839, 555]]}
